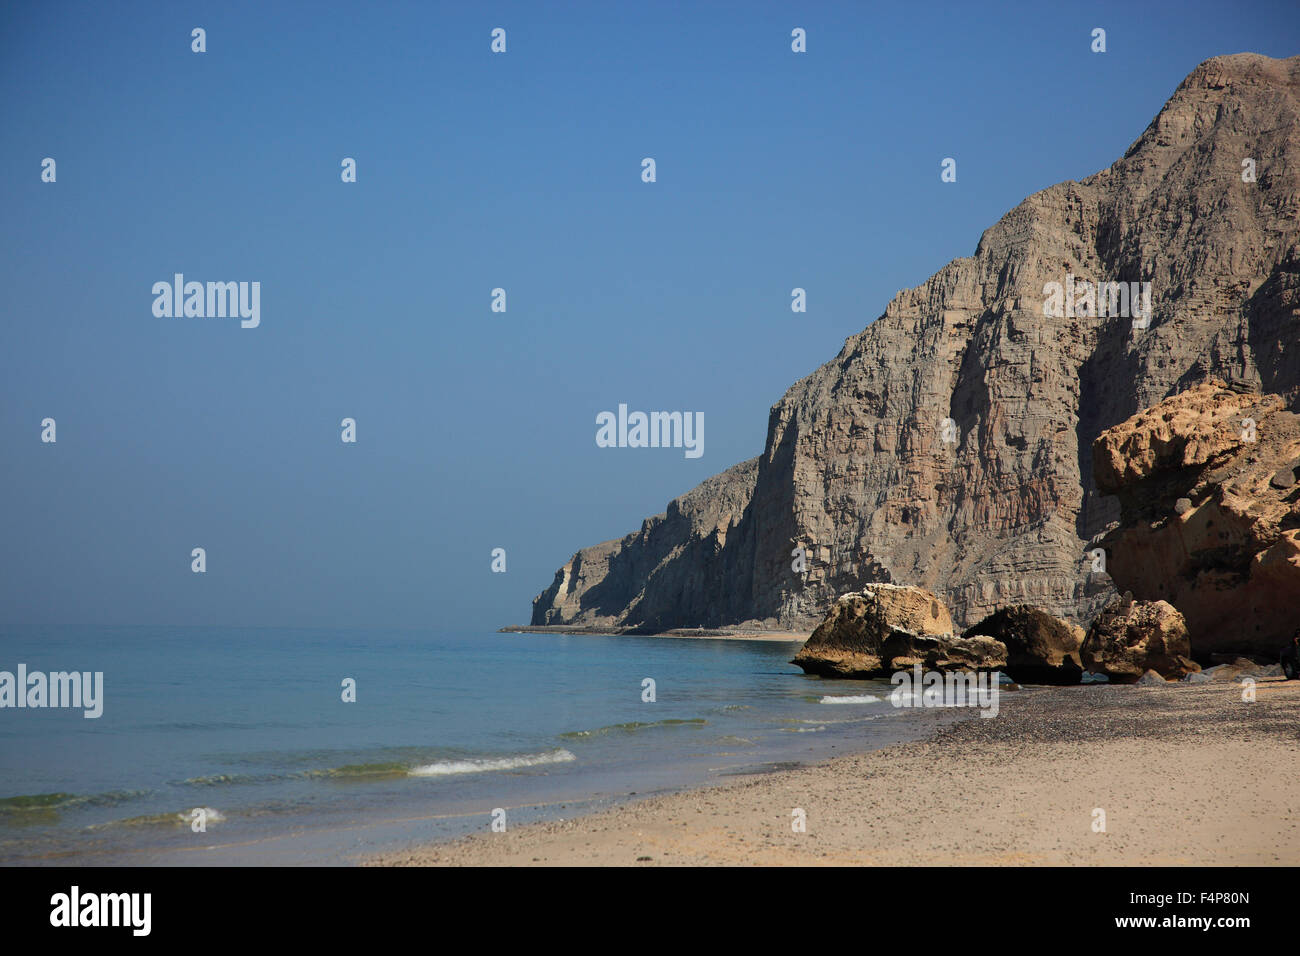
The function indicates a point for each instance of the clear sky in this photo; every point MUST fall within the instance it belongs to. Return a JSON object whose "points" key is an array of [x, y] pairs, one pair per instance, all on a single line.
{"points": [[522, 170]]}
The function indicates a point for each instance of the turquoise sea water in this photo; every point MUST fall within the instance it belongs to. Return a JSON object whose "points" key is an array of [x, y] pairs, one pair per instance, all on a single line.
{"points": [[446, 728]]}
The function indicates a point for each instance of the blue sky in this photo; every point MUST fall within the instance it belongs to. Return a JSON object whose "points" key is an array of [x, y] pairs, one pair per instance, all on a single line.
{"points": [[475, 171]]}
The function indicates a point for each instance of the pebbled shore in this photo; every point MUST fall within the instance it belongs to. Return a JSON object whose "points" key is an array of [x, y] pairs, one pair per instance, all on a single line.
{"points": [[1186, 774]]}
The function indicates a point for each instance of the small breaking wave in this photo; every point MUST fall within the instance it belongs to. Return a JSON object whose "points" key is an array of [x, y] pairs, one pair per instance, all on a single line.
{"points": [[183, 819], [487, 764], [376, 771], [363, 770], [851, 699], [633, 727], [37, 801], [229, 779], [44, 803]]}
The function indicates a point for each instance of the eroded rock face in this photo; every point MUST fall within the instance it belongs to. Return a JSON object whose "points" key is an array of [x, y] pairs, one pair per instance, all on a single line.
{"points": [[1132, 638], [851, 641], [1228, 557], [1041, 648], [950, 443]]}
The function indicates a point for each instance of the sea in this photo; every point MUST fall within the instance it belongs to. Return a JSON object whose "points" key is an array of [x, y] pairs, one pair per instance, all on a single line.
{"points": [[241, 747]]}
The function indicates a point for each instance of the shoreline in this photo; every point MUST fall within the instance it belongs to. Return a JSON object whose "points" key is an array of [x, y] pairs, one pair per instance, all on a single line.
{"points": [[696, 633], [1184, 774]]}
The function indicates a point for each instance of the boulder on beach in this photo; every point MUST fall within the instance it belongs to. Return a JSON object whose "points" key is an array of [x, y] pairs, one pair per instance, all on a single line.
{"points": [[866, 631], [1041, 648], [1130, 638], [1240, 667], [901, 650]]}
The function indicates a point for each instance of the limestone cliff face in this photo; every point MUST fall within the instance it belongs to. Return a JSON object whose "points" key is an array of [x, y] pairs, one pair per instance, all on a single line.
{"points": [[997, 506]]}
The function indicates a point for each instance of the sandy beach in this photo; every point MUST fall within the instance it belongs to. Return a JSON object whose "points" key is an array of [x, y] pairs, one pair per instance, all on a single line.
{"points": [[1185, 775]]}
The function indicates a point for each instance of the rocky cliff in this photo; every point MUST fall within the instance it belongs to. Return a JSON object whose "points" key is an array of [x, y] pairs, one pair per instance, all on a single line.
{"points": [[1210, 515], [949, 444], [671, 572]]}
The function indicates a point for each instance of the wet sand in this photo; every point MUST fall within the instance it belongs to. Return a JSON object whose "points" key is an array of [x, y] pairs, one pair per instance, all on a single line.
{"points": [[1185, 775]]}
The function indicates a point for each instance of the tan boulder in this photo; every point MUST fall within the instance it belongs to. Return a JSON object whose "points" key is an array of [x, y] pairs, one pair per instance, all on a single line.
{"points": [[1130, 638], [1041, 648], [850, 641]]}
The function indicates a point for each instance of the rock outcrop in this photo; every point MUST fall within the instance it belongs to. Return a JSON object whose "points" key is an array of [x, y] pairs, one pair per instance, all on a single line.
{"points": [[901, 651], [1209, 514], [950, 443], [867, 632], [1041, 649], [1131, 638]]}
